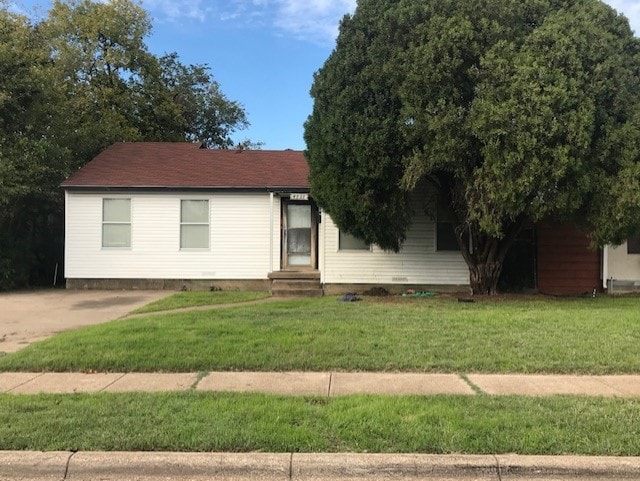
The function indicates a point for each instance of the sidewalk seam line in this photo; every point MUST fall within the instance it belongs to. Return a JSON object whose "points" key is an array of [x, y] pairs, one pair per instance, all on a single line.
{"points": [[26, 382], [329, 388], [615, 391], [112, 383], [291, 467], [199, 377], [498, 467], [66, 468], [474, 387]]}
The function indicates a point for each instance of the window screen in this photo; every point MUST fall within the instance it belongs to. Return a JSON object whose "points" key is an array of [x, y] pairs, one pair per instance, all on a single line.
{"points": [[116, 223], [194, 224], [348, 242]]}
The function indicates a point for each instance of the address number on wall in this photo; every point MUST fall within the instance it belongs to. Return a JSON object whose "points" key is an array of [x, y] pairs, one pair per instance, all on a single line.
{"points": [[299, 196]]}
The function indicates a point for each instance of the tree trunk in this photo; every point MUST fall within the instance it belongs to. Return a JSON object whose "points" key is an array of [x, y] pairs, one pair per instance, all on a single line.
{"points": [[485, 254], [483, 278]]}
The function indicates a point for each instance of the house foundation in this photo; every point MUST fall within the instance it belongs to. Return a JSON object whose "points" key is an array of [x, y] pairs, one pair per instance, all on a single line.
{"points": [[171, 284]]}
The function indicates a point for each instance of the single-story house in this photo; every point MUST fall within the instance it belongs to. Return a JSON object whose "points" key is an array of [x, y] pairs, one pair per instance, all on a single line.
{"points": [[167, 215]]}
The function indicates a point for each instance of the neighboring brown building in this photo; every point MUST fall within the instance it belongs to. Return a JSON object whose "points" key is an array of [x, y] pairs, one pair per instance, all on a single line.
{"points": [[566, 264]]}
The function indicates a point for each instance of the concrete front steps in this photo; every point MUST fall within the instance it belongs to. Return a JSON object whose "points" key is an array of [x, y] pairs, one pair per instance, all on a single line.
{"points": [[296, 284]]}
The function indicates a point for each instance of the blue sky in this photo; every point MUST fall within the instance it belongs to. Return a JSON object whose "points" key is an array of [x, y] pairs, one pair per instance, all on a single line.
{"points": [[262, 52]]}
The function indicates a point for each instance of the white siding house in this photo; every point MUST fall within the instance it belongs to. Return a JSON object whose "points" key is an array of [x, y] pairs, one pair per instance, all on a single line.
{"points": [[238, 247], [163, 214], [170, 215], [418, 262]]}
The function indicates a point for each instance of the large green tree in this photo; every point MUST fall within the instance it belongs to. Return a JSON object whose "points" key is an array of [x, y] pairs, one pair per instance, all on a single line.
{"points": [[28, 184], [507, 110], [71, 84], [120, 91]]}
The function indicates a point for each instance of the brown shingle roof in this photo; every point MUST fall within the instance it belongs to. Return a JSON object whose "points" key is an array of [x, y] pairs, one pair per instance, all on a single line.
{"points": [[186, 165]]}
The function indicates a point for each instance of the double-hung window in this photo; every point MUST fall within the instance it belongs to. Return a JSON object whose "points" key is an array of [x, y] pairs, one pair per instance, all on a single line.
{"points": [[194, 224], [116, 223], [348, 242]]}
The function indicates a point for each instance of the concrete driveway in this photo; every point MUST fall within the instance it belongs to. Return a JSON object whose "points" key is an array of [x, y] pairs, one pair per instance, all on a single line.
{"points": [[30, 316]]}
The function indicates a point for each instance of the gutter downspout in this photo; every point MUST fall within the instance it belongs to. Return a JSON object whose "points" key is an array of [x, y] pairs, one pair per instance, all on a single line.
{"points": [[270, 231], [322, 246], [66, 237], [605, 267]]}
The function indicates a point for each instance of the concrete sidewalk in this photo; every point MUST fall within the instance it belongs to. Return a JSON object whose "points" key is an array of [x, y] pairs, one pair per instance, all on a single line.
{"points": [[146, 466], [325, 383], [156, 466]]}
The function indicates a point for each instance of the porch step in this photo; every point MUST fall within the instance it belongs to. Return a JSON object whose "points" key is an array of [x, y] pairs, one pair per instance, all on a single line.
{"points": [[295, 275], [296, 284]]}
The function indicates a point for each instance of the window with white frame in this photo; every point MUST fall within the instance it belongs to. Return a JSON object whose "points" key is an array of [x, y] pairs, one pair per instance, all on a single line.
{"points": [[194, 224], [116, 223], [348, 242]]}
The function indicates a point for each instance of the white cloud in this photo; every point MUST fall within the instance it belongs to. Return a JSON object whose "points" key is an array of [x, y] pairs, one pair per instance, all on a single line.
{"points": [[312, 20], [178, 11]]}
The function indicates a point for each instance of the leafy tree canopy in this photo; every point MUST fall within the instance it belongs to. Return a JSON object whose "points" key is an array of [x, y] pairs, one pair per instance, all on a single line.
{"points": [[509, 109], [70, 85]]}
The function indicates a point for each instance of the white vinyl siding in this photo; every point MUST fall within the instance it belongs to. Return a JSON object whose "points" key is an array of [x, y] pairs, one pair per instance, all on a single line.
{"points": [[239, 244], [194, 224], [116, 223], [621, 265], [417, 263], [238, 238]]}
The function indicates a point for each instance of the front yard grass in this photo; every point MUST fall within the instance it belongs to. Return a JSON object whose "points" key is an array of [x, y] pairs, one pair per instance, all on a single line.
{"points": [[216, 422], [197, 298], [595, 336]]}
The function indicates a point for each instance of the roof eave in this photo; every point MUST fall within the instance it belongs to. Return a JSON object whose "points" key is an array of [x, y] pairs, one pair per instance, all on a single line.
{"points": [[147, 188]]}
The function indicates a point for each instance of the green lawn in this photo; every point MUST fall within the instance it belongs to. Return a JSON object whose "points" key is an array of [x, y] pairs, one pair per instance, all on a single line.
{"points": [[241, 422], [439, 335], [193, 299]]}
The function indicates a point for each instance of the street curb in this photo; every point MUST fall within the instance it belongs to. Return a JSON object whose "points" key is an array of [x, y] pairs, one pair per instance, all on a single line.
{"points": [[106, 466], [514, 466]]}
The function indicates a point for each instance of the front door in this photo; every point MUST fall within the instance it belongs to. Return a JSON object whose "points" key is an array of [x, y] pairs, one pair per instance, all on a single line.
{"points": [[298, 235]]}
